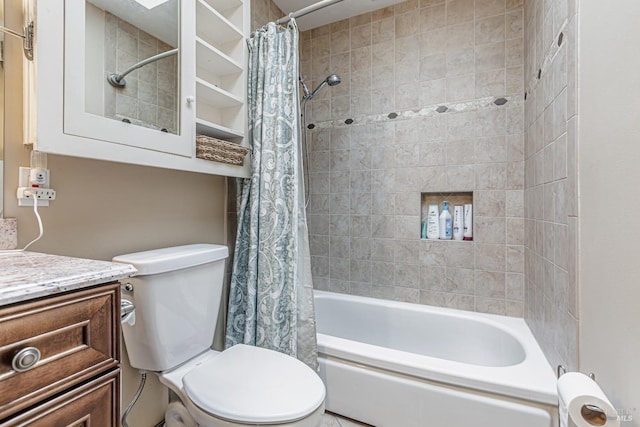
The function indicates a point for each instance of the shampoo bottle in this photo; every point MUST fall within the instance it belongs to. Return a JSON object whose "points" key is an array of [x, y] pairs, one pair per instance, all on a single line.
{"points": [[433, 227], [458, 226], [445, 222], [468, 222]]}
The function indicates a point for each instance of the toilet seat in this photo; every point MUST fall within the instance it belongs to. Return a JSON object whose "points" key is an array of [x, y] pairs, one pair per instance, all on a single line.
{"points": [[252, 385]]}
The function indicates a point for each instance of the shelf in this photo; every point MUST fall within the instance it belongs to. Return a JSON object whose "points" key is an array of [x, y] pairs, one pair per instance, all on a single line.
{"points": [[214, 27], [213, 95], [211, 59], [455, 198], [222, 5], [204, 127]]}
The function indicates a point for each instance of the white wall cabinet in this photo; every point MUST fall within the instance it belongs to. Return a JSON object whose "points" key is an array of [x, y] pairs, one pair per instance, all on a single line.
{"points": [[68, 97]]}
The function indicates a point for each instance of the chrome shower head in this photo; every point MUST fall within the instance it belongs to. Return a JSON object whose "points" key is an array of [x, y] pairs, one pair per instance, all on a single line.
{"points": [[331, 80]]}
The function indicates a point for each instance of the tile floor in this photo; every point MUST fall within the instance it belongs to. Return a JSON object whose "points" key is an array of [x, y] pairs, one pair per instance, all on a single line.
{"points": [[332, 420]]}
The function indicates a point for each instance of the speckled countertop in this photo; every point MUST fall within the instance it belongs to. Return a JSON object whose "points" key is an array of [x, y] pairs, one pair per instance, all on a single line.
{"points": [[29, 275]]}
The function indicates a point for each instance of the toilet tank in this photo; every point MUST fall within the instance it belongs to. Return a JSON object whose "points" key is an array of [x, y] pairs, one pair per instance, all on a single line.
{"points": [[176, 293]]}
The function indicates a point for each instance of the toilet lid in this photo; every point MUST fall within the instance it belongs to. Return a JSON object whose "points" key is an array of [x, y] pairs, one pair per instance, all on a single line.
{"points": [[253, 385]]}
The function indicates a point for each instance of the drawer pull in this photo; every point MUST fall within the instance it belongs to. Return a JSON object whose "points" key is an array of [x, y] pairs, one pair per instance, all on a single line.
{"points": [[25, 359]]}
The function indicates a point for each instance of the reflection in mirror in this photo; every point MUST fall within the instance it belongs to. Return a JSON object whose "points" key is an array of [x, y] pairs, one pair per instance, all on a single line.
{"points": [[139, 38], [1, 110]]}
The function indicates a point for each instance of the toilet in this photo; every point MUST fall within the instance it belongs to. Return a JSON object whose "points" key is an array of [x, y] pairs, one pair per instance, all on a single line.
{"points": [[176, 293]]}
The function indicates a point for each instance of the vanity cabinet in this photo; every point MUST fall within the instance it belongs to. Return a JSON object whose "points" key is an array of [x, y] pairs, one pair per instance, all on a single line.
{"points": [[71, 109], [59, 359]]}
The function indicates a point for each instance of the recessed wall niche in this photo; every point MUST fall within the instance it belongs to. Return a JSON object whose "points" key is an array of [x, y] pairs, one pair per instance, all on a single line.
{"points": [[458, 198]]}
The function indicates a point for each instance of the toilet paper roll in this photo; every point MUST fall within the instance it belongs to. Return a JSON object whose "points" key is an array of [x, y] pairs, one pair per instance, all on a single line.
{"points": [[177, 415], [584, 402]]}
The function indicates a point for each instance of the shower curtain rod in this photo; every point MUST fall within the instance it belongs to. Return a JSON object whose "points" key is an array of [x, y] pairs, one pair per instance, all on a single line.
{"points": [[307, 10]]}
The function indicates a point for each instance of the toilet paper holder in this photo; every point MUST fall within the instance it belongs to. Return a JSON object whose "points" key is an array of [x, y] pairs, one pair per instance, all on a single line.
{"points": [[561, 370], [592, 414]]}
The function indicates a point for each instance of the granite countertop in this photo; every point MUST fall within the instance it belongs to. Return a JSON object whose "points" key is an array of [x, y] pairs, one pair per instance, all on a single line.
{"points": [[29, 275]]}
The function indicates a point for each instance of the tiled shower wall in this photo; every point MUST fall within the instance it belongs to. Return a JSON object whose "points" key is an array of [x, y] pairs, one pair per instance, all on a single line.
{"points": [[438, 67], [551, 176], [150, 96]]}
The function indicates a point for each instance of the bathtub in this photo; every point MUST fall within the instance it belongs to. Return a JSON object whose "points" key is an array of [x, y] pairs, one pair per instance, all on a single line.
{"points": [[393, 364]]}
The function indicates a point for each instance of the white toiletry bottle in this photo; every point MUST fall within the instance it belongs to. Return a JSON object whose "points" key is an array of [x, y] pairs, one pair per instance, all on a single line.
{"points": [[433, 227], [445, 222], [468, 222], [458, 223]]}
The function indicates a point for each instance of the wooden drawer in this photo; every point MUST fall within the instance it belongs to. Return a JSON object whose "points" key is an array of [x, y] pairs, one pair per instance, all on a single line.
{"points": [[94, 404], [78, 336]]}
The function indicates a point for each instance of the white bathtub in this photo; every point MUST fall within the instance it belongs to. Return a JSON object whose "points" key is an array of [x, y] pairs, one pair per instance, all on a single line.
{"points": [[393, 364]]}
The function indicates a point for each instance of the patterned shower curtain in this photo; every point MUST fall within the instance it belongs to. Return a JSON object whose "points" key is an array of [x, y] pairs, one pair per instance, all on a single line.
{"points": [[271, 295]]}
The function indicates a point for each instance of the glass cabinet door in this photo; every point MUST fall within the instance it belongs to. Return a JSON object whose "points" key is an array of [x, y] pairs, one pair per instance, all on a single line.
{"points": [[124, 74]]}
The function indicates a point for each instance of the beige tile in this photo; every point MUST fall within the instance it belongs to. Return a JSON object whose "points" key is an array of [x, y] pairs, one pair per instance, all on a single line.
{"points": [[489, 203], [490, 305], [460, 61], [432, 42], [406, 7], [490, 56], [514, 308], [365, 18], [460, 36], [433, 17], [489, 7], [490, 30], [407, 96], [407, 25], [514, 24], [433, 67], [431, 154], [361, 59], [514, 284], [460, 177], [490, 83], [459, 254], [340, 26], [360, 36], [321, 45], [459, 11], [381, 14], [383, 31], [514, 54], [433, 92], [490, 257], [460, 152], [340, 42]]}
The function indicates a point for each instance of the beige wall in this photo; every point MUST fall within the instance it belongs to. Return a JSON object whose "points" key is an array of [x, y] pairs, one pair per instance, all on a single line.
{"points": [[367, 177], [551, 209], [609, 203], [105, 209]]}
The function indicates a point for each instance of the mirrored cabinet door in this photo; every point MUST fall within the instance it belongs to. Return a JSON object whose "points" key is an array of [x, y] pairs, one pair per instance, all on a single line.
{"points": [[122, 74], [134, 81]]}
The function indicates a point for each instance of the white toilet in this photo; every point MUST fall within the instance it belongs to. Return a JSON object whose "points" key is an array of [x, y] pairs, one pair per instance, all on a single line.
{"points": [[176, 293]]}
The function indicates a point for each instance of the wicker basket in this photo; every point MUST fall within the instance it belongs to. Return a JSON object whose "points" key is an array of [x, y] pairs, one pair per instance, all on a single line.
{"points": [[217, 150]]}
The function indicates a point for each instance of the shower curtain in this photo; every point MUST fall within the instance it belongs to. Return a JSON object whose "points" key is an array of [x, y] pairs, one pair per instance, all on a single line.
{"points": [[271, 294]]}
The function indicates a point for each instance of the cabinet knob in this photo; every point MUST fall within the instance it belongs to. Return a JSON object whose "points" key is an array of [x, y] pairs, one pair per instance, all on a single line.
{"points": [[191, 99], [25, 359]]}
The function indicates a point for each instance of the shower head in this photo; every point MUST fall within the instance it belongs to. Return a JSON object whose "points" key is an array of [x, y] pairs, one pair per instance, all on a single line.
{"points": [[331, 80]]}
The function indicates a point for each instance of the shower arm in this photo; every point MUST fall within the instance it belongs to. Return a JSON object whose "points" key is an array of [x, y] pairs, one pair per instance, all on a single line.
{"points": [[117, 80]]}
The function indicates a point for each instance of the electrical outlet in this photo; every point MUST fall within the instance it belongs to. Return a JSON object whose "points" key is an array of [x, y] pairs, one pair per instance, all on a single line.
{"points": [[26, 195]]}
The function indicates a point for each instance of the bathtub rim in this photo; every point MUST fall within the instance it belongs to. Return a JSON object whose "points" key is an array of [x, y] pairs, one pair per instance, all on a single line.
{"points": [[532, 379]]}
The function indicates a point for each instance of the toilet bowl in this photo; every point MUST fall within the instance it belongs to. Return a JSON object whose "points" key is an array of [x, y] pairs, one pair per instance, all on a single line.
{"points": [[176, 294], [247, 385]]}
